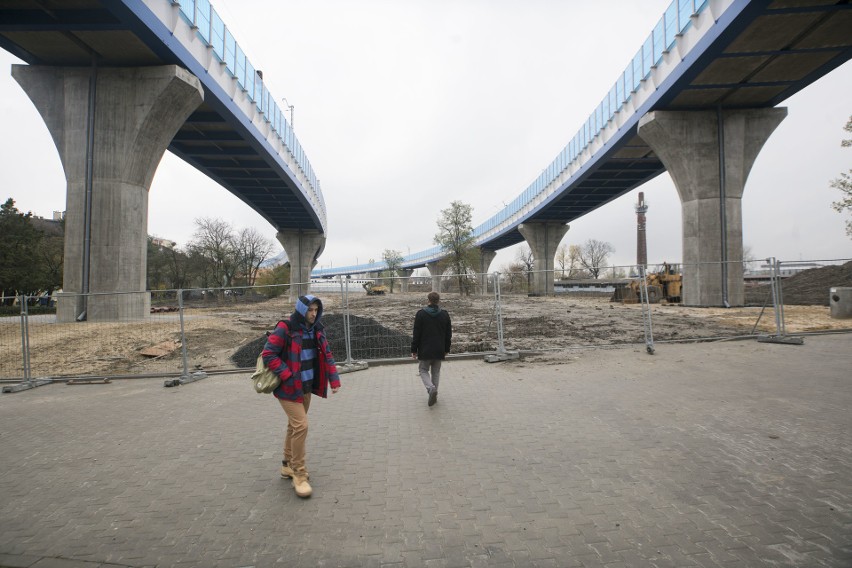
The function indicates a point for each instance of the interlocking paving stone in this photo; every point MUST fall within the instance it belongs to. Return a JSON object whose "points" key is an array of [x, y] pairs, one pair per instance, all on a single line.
{"points": [[706, 455]]}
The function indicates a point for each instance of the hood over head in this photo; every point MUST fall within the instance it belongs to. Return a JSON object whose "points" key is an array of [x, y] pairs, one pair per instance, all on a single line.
{"points": [[432, 310], [302, 309]]}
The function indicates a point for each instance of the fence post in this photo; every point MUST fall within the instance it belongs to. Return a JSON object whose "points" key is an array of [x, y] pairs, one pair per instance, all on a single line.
{"points": [[502, 354], [25, 337], [29, 382], [185, 377], [646, 310], [778, 303], [344, 294], [780, 296], [182, 336]]}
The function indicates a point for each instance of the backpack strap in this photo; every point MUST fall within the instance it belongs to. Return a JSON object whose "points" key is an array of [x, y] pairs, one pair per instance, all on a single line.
{"points": [[286, 327]]}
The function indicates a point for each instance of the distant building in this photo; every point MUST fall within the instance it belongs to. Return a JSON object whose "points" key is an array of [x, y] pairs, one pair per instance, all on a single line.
{"points": [[49, 226], [787, 269], [163, 243]]}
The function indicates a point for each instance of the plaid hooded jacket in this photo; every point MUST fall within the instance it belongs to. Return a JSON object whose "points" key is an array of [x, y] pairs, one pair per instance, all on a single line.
{"points": [[283, 350]]}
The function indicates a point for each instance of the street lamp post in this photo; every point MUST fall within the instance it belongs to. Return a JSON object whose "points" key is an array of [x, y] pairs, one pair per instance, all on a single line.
{"points": [[289, 106]]}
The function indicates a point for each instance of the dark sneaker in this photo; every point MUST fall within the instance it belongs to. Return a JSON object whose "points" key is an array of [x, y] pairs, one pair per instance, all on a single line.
{"points": [[433, 397]]}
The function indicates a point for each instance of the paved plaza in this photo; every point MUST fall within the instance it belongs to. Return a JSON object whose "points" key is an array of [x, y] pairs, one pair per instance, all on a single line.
{"points": [[729, 454]]}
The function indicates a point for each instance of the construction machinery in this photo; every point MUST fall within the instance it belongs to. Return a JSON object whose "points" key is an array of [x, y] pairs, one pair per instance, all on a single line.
{"points": [[374, 289], [663, 285]]}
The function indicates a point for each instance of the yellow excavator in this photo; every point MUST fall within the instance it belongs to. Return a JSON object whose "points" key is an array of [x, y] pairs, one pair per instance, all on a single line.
{"points": [[663, 285], [374, 289]]}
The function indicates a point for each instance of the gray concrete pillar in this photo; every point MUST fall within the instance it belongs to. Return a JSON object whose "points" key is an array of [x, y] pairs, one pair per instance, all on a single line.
{"points": [[486, 256], [690, 146], [136, 113], [435, 271], [405, 273], [303, 247], [543, 239]]}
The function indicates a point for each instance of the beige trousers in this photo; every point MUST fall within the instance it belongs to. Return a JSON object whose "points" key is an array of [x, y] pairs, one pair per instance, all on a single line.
{"points": [[297, 433]]}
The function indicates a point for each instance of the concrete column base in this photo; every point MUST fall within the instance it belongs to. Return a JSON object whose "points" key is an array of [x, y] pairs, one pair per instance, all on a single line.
{"points": [[486, 257], [435, 271], [137, 112], [688, 144], [102, 307], [543, 239], [405, 281], [303, 248]]}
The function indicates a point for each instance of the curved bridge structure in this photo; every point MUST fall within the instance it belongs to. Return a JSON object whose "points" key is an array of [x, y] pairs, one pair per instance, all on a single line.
{"points": [[696, 99], [120, 81]]}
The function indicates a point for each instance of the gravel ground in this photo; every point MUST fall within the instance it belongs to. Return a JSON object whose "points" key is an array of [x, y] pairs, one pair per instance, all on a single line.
{"points": [[229, 334]]}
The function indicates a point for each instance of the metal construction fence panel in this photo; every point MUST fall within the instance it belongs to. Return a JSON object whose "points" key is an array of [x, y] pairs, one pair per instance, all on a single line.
{"points": [[369, 317]]}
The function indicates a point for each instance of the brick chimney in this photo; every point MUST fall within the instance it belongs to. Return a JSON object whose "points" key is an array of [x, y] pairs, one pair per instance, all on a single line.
{"points": [[641, 243]]}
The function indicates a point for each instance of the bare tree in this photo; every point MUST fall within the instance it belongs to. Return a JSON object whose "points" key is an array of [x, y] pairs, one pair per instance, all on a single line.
{"points": [[568, 260], [844, 184], [514, 275], [213, 242], [562, 258], [526, 260], [252, 249], [748, 257], [593, 256], [393, 258], [455, 237], [574, 270]]}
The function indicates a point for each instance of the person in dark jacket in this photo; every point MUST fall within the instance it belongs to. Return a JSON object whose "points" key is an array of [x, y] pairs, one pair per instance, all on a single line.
{"points": [[298, 352], [430, 344]]}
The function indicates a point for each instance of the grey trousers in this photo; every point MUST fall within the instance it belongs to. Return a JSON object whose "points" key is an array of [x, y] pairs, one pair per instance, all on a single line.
{"points": [[431, 383]]}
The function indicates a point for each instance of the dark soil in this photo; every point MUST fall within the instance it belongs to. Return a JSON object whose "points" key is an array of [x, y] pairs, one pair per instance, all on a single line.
{"points": [[373, 341], [807, 288]]}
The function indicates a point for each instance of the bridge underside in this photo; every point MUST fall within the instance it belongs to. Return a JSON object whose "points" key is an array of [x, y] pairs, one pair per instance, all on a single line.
{"points": [[213, 140], [212, 145], [628, 166], [770, 51]]}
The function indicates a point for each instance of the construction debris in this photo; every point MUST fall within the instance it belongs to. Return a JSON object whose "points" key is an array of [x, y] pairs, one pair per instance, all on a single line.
{"points": [[806, 288], [102, 381]]}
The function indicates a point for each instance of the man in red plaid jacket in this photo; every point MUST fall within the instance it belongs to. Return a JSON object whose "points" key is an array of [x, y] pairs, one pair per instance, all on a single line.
{"points": [[298, 352]]}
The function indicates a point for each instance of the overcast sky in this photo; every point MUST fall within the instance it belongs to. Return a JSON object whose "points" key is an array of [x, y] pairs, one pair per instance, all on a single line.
{"points": [[406, 105]]}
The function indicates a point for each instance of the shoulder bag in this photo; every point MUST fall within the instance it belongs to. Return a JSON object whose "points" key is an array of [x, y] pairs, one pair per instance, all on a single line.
{"points": [[264, 380]]}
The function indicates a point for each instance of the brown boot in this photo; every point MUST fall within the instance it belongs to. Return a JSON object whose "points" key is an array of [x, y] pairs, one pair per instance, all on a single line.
{"points": [[301, 485], [287, 471]]}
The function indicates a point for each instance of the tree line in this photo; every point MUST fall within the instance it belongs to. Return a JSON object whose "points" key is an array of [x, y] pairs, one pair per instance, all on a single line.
{"points": [[31, 253], [456, 240], [217, 256]]}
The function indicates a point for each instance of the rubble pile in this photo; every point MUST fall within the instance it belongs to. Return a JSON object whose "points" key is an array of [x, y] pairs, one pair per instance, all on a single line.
{"points": [[370, 340], [807, 288]]}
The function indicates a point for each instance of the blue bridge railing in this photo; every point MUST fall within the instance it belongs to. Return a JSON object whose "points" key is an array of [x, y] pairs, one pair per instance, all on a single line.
{"points": [[676, 20], [210, 29]]}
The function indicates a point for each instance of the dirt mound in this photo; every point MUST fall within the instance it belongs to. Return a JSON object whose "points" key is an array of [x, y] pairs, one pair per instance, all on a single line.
{"points": [[372, 341], [807, 288], [246, 356]]}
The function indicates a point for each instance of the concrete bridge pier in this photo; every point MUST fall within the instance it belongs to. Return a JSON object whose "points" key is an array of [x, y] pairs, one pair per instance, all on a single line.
{"points": [[486, 257], [111, 127], [406, 279], [543, 239], [695, 147], [303, 247], [435, 271]]}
